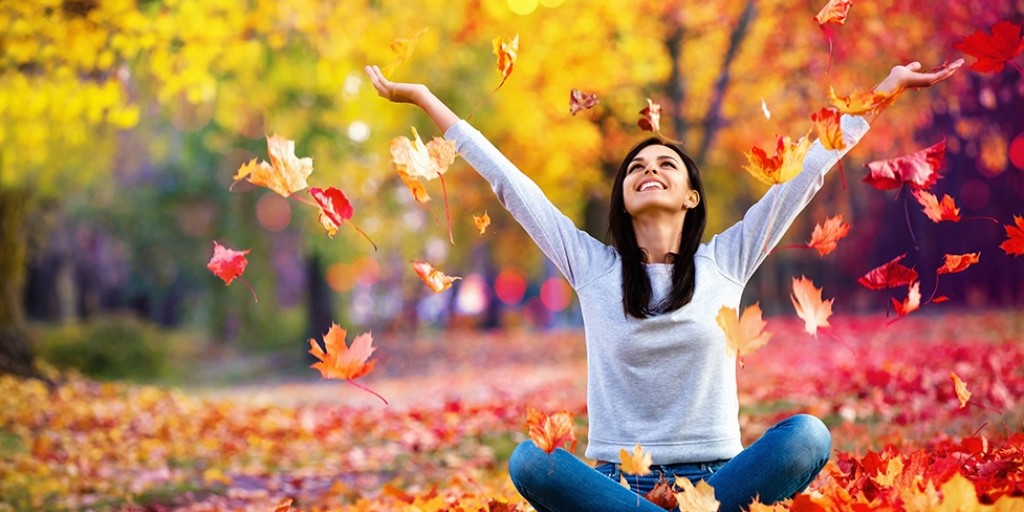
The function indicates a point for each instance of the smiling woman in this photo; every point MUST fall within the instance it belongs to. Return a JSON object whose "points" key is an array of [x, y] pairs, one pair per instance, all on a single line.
{"points": [[658, 371]]}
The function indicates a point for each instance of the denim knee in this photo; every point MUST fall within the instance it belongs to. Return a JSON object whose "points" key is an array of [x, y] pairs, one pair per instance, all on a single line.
{"points": [[527, 465], [811, 443]]}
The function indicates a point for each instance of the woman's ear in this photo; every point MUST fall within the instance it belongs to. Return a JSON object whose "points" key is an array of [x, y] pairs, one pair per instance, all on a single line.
{"points": [[692, 199]]}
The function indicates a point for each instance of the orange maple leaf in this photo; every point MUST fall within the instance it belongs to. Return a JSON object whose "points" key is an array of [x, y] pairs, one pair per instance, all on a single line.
{"points": [[650, 117], [809, 306], [830, 131], [285, 174], [787, 162], [435, 279], [936, 210], [1014, 243], [696, 498], [549, 432], [414, 159], [338, 361], [958, 262], [860, 103], [745, 334], [403, 48], [507, 54], [826, 236], [482, 221], [638, 463], [911, 303], [834, 11], [961, 389]]}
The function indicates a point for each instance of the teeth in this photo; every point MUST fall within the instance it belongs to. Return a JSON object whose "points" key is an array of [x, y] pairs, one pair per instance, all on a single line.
{"points": [[651, 184]]}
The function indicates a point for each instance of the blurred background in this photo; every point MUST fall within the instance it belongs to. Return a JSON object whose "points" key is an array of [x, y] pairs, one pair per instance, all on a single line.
{"points": [[122, 123]]}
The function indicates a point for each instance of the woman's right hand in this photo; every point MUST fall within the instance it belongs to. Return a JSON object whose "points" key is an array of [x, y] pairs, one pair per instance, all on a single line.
{"points": [[396, 91]]}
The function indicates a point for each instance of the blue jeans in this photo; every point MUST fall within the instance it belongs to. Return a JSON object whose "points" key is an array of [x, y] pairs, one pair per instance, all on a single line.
{"points": [[781, 463]]}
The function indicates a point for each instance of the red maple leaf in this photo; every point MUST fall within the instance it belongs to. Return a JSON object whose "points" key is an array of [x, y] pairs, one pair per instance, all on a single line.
{"points": [[911, 303], [1014, 243], [228, 264], [650, 117], [335, 210], [918, 170], [993, 52], [579, 100], [890, 275]]}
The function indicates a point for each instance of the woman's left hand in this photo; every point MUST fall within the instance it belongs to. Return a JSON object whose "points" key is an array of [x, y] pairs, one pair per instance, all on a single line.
{"points": [[905, 77]]}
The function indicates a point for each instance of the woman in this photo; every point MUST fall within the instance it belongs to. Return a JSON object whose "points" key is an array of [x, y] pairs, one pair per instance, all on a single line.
{"points": [[658, 371]]}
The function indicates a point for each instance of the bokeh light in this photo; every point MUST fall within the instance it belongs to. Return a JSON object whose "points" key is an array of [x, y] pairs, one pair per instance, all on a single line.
{"points": [[473, 296], [992, 157], [974, 194], [522, 7], [273, 212], [555, 294], [1017, 151], [551, 3], [509, 286]]}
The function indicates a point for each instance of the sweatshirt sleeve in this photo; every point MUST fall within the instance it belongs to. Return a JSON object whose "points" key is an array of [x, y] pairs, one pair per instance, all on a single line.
{"points": [[579, 256], [739, 250]]}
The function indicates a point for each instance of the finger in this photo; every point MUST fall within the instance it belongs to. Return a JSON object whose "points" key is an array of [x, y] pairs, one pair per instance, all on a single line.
{"points": [[914, 66]]}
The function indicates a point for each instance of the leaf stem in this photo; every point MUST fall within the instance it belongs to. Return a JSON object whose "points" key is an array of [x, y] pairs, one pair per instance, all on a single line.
{"points": [[303, 200], [250, 289], [350, 223], [447, 211], [1014, 64], [906, 214], [364, 388], [982, 217]]}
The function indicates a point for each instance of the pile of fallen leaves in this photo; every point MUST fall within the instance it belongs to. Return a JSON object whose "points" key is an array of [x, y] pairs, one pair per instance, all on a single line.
{"points": [[902, 439]]}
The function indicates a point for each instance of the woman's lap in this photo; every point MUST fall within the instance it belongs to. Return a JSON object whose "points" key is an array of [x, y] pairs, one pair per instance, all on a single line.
{"points": [[779, 464]]}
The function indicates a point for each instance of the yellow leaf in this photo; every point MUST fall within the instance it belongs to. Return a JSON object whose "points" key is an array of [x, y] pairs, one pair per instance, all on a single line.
{"points": [[699, 498], [482, 221], [961, 389], [809, 306], [787, 162], [638, 463], [743, 335]]}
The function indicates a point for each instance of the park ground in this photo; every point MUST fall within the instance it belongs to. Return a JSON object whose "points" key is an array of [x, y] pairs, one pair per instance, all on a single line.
{"points": [[457, 399]]}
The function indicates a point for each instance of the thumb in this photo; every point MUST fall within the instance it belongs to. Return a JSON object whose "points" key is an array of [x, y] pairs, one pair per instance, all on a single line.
{"points": [[914, 66]]}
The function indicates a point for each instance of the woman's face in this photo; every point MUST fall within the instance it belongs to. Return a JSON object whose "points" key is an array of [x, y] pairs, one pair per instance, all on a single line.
{"points": [[657, 180]]}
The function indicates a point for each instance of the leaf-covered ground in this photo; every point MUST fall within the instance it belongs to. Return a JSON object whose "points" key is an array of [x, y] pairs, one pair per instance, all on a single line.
{"points": [[457, 408]]}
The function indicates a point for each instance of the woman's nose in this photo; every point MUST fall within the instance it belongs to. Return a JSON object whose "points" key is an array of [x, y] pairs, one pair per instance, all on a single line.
{"points": [[650, 170]]}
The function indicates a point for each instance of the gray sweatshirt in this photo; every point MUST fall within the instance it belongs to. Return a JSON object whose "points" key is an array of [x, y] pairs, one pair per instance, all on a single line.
{"points": [[665, 381]]}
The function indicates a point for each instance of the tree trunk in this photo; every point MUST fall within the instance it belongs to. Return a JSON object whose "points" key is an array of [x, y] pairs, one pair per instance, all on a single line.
{"points": [[16, 355]]}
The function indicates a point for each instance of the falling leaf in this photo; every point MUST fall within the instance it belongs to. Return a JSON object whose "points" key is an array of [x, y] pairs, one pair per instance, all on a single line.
{"points": [[434, 278], [993, 52], [284, 506], [889, 275], [961, 389], [338, 361], [414, 159], [830, 132], [695, 498], [285, 174], [764, 110], [420, 160], [834, 11], [638, 463], [650, 117], [579, 100], [939, 299], [809, 306], [550, 432], [787, 162], [507, 53], [1014, 243], [335, 210], [826, 236], [958, 262], [936, 210], [482, 221], [745, 334], [661, 494], [919, 170], [402, 47], [911, 303], [860, 103], [228, 264]]}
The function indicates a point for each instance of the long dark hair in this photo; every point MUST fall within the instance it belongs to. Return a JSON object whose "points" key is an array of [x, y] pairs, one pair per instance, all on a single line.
{"points": [[636, 286]]}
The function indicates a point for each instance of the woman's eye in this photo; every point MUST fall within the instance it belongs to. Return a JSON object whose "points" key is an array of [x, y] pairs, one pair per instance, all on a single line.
{"points": [[669, 164], [634, 168]]}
